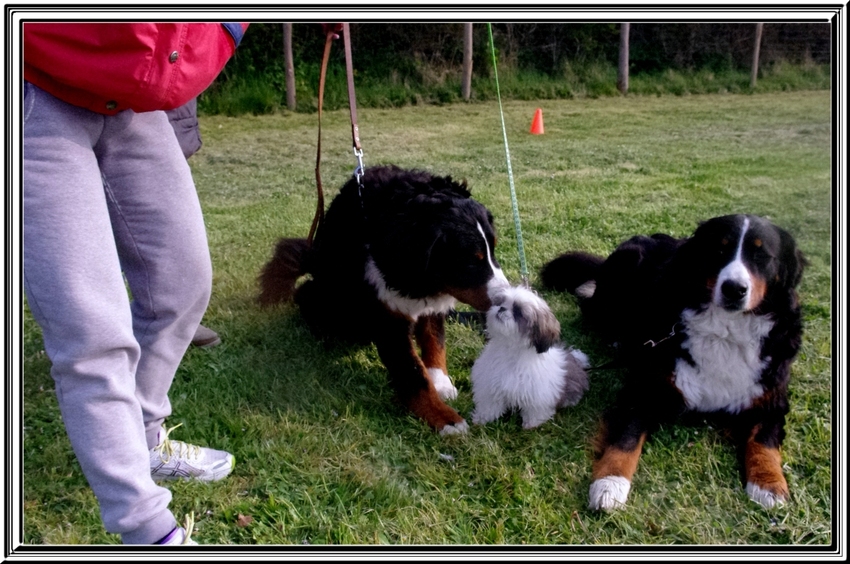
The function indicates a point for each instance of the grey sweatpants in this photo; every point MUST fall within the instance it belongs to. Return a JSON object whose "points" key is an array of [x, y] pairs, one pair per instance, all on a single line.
{"points": [[106, 195]]}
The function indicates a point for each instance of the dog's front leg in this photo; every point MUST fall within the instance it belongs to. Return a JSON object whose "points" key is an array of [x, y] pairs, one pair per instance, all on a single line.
{"points": [[766, 483], [409, 377], [618, 449], [430, 331]]}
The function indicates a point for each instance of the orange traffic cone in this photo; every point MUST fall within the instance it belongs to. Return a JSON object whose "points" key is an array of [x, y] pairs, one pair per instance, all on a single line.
{"points": [[537, 123]]}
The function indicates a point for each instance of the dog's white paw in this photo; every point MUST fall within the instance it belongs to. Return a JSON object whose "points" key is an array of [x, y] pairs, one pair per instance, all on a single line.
{"points": [[455, 429], [609, 493], [480, 417], [765, 498], [537, 418], [445, 389]]}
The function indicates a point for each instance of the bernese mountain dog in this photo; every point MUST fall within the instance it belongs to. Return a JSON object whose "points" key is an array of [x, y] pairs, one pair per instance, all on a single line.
{"points": [[392, 256], [707, 326]]}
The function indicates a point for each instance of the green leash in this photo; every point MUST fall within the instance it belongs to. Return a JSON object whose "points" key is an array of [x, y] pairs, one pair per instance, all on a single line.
{"points": [[521, 248]]}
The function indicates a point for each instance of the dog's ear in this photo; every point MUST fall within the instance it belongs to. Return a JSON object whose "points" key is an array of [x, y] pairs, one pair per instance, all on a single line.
{"points": [[791, 261], [545, 329]]}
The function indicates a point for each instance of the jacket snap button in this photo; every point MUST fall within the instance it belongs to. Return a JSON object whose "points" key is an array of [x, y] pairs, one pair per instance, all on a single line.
{"points": [[174, 56]]}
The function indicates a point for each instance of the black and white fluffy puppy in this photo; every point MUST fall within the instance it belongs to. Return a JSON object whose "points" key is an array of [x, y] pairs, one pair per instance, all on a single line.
{"points": [[389, 260], [708, 326], [524, 366]]}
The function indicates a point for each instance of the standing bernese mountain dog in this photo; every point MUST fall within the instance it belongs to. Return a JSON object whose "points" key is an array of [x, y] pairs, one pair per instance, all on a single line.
{"points": [[391, 257], [707, 325]]}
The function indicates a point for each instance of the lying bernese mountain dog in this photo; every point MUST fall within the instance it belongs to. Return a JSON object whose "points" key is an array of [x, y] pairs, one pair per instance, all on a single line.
{"points": [[707, 326], [391, 257]]}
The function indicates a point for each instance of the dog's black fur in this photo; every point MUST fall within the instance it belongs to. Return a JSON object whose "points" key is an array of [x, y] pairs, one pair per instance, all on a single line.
{"points": [[421, 232], [645, 294]]}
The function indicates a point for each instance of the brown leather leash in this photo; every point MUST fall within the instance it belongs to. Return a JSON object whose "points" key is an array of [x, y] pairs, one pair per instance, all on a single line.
{"points": [[330, 35], [352, 99]]}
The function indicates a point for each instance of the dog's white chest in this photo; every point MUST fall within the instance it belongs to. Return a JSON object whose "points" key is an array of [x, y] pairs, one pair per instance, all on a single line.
{"points": [[412, 308], [725, 347]]}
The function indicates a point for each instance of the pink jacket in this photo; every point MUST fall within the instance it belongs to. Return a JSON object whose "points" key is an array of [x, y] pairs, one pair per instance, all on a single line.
{"points": [[110, 67]]}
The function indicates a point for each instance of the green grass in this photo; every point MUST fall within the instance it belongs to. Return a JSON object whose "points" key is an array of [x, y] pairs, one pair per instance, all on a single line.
{"points": [[324, 456]]}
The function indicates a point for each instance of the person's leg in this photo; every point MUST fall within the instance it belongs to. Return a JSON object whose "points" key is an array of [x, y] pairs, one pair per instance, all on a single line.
{"points": [[76, 292], [161, 238]]}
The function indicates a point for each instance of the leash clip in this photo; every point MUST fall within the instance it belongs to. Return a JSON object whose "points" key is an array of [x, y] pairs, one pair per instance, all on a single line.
{"points": [[358, 171]]}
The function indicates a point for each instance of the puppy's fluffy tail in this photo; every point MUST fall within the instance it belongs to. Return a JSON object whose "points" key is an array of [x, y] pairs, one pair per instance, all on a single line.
{"points": [[575, 378], [572, 272], [279, 275]]}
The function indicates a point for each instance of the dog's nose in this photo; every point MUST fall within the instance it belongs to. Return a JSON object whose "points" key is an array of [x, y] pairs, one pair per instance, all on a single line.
{"points": [[733, 291]]}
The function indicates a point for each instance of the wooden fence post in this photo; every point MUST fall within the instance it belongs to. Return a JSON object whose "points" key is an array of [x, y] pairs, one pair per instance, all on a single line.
{"points": [[466, 81], [756, 48], [623, 64], [290, 66]]}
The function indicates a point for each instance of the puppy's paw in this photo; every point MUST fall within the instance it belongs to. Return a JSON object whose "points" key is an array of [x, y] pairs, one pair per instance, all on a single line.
{"points": [[766, 498], [482, 417], [458, 428], [609, 493], [445, 389], [530, 420]]}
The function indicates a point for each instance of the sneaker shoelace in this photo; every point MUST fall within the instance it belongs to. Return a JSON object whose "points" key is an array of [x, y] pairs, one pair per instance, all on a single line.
{"points": [[189, 526], [167, 448]]}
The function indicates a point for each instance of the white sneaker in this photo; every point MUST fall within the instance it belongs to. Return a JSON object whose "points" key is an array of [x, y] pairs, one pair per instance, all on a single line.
{"points": [[180, 535], [175, 460]]}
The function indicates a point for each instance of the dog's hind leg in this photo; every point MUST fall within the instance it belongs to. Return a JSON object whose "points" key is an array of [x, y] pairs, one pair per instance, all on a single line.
{"points": [[430, 332], [409, 376]]}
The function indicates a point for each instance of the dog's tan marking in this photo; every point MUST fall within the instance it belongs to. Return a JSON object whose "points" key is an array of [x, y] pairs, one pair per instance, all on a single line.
{"points": [[758, 291], [430, 336], [428, 406], [613, 461], [763, 468], [476, 297]]}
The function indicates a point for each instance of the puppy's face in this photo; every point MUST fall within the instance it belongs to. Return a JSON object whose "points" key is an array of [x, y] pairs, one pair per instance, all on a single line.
{"points": [[518, 313]]}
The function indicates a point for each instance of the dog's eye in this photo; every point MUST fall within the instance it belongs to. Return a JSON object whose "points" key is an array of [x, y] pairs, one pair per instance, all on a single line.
{"points": [[759, 252], [479, 256]]}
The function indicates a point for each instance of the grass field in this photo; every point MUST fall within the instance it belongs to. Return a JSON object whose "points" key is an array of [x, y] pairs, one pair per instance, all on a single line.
{"points": [[323, 455]]}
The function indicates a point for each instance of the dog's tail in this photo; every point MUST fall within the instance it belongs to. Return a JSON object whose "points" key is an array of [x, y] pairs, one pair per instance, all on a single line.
{"points": [[279, 275], [576, 381], [572, 272]]}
